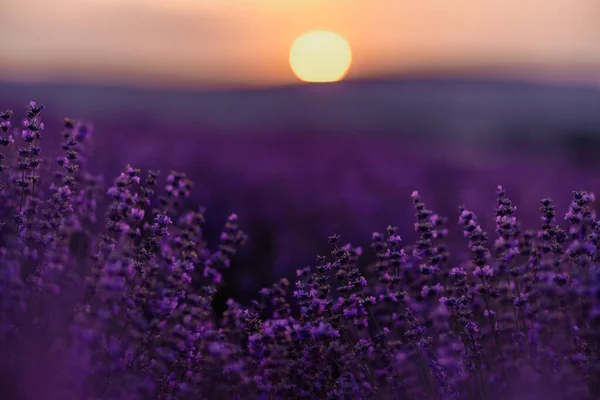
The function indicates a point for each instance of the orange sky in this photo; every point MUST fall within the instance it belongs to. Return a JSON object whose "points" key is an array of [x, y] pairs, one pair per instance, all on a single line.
{"points": [[246, 42]]}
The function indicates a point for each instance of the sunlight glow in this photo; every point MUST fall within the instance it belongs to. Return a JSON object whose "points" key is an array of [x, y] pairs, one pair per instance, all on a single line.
{"points": [[320, 56]]}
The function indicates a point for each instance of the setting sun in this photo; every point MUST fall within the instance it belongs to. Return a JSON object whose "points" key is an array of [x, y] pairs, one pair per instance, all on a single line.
{"points": [[320, 56]]}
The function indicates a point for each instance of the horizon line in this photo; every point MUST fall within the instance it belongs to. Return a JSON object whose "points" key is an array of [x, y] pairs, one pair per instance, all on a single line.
{"points": [[553, 76]]}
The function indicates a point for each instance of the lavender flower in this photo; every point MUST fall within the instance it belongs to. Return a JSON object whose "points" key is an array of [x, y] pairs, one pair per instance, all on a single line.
{"points": [[130, 314]]}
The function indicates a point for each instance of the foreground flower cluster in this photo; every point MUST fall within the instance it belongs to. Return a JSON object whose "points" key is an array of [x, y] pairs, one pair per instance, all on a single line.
{"points": [[121, 307]]}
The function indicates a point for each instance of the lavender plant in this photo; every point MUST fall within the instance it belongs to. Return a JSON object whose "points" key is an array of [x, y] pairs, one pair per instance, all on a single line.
{"points": [[121, 307]]}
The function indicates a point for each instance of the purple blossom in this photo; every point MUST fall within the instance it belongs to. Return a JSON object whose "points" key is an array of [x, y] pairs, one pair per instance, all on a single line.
{"points": [[131, 313]]}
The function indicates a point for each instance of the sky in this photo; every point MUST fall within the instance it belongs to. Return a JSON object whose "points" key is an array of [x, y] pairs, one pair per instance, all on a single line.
{"points": [[183, 43]]}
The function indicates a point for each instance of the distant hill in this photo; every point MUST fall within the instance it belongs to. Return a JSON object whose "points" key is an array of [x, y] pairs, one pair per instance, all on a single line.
{"points": [[477, 109]]}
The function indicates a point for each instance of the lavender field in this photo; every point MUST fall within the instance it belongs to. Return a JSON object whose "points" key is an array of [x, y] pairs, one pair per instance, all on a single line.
{"points": [[434, 309], [295, 182]]}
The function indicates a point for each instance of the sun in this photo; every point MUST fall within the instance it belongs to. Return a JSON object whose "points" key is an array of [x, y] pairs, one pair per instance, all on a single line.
{"points": [[320, 56]]}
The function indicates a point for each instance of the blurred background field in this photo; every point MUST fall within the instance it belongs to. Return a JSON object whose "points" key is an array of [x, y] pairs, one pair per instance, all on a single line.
{"points": [[448, 99]]}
